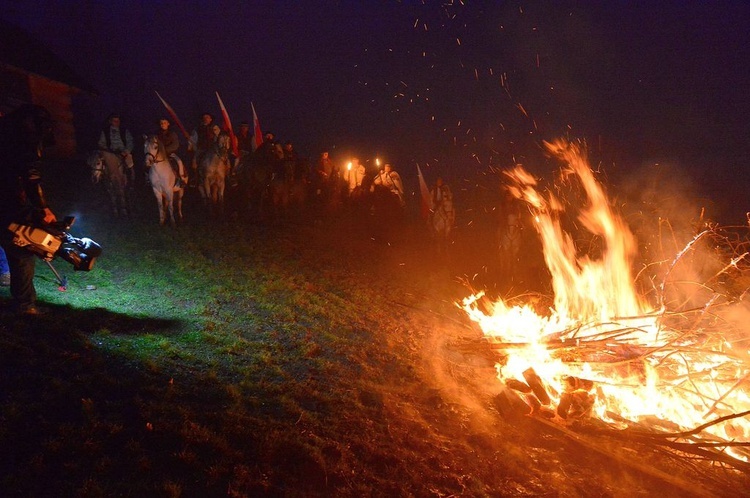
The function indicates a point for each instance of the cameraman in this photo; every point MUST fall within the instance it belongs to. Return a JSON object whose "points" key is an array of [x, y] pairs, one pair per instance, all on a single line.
{"points": [[24, 133]]}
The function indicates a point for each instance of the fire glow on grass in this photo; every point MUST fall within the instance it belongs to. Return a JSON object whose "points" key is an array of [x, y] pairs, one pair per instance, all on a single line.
{"points": [[601, 350]]}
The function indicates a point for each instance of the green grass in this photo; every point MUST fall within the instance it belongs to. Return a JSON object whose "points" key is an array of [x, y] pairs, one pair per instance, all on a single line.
{"points": [[239, 359]]}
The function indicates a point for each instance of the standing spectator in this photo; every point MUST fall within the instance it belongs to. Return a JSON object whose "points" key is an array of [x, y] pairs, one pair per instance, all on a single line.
{"points": [[323, 171], [323, 177], [23, 135], [118, 140], [291, 160]]}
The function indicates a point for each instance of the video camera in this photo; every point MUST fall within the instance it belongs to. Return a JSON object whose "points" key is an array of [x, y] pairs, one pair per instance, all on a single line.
{"points": [[53, 240]]}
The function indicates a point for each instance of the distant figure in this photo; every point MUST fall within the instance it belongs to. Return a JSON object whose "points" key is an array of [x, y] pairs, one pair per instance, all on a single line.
{"points": [[118, 140], [244, 140], [509, 233], [325, 180], [200, 140], [442, 214], [267, 153], [354, 176], [391, 180]]}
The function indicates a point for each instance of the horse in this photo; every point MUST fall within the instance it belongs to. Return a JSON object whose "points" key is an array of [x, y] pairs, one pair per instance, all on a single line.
{"points": [[213, 170], [111, 168], [442, 220], [163, 179]]}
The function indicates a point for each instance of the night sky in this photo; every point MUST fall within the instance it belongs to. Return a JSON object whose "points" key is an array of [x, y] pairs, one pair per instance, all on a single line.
{"points": [[459, 88]]}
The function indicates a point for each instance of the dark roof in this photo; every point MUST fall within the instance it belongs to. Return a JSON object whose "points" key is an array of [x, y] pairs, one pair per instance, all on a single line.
{"points": [[20, 49]]}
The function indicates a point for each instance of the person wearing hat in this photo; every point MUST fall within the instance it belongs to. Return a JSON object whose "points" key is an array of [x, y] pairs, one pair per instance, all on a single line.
{"points": [[244, 139]]}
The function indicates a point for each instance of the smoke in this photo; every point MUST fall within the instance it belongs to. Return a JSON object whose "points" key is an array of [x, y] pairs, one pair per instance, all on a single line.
{"points": [[662, 205]]}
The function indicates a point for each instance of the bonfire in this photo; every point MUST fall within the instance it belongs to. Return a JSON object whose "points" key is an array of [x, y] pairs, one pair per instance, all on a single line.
{"points": [[659, 357]]}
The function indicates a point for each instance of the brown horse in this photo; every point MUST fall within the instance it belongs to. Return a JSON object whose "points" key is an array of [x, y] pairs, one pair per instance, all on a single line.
{"points": [[163, 179], [110, 168]]}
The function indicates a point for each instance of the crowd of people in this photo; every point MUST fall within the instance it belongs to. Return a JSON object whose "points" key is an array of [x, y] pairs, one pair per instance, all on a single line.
{"points": [[324, 180], [25, 132]]}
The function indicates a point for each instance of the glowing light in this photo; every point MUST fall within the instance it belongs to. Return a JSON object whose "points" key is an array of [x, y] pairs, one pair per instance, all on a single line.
{"points": [[601, 349]]}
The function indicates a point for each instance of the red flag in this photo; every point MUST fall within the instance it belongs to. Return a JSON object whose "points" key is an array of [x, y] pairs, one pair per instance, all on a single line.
{"points": [[228, 127], [425, 205], [257, 134], [174, 117]]}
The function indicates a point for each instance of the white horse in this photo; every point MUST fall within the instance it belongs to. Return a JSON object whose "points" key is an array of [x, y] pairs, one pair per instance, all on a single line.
{"points": [[162, 178], [111, 169]]}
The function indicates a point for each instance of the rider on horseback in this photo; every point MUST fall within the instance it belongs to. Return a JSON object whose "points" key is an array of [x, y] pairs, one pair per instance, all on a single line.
{"points": [[118, 140], [392, 181], [171, 143], [200, 140]]}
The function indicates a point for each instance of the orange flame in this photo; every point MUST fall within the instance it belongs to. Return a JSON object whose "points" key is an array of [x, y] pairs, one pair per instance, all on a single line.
{"points": [[601, 348]]}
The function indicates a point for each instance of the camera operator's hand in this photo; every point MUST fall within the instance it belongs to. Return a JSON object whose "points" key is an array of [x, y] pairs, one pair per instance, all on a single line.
{"points": [[49, 216]]}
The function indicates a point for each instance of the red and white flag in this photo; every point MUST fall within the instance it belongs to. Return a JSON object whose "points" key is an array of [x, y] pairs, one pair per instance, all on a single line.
{"points": [[257, 134], [174, 117], [425, 204], [228, 127]]}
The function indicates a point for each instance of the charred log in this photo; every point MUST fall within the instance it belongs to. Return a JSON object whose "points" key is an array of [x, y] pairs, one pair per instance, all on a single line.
{"points": [[536, 385]]}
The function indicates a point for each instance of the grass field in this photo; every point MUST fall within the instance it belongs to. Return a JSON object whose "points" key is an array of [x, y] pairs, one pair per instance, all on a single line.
{"points": [[243, 359]]}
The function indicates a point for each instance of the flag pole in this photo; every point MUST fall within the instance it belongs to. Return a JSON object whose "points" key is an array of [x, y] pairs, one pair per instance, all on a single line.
{"points": [[176, 119], [228, 126], [426, 204], [257, 134]]}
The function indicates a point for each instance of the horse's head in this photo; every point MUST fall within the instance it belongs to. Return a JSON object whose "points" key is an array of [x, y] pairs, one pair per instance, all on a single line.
{"points": [[222, 142], [95, 161], [151, 148]]}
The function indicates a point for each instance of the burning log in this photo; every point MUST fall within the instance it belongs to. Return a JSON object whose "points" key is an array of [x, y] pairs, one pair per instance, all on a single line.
{"points": [[517, 385], [536, 385]]}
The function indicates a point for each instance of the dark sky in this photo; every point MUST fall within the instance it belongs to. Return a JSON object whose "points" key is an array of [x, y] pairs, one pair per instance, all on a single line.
{"points": [[454, 86]]}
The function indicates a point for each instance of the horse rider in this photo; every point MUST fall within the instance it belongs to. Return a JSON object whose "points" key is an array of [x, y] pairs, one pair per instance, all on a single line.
{"points": [[171, 142], [200, 140], [390, 179], [244, 140], [118, 140]]}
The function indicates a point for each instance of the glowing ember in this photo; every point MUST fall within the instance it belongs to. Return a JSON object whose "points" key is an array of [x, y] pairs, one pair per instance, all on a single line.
{"points": [[603, 351]]}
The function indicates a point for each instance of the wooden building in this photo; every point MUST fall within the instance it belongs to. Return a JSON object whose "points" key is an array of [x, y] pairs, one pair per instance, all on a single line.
{"points": [[31, 73]]}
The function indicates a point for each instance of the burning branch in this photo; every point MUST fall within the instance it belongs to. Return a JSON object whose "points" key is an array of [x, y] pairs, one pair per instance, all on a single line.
{"points": [[602, 352]]}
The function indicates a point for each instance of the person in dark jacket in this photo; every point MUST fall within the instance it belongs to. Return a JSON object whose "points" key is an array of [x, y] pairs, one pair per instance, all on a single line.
{"points": [[168, 137], [24, 133]]}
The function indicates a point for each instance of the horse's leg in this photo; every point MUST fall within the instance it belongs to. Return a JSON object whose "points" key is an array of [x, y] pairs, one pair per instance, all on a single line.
{"points": [[220, 197], [178, 201], [169, 201], [159, 204]]}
